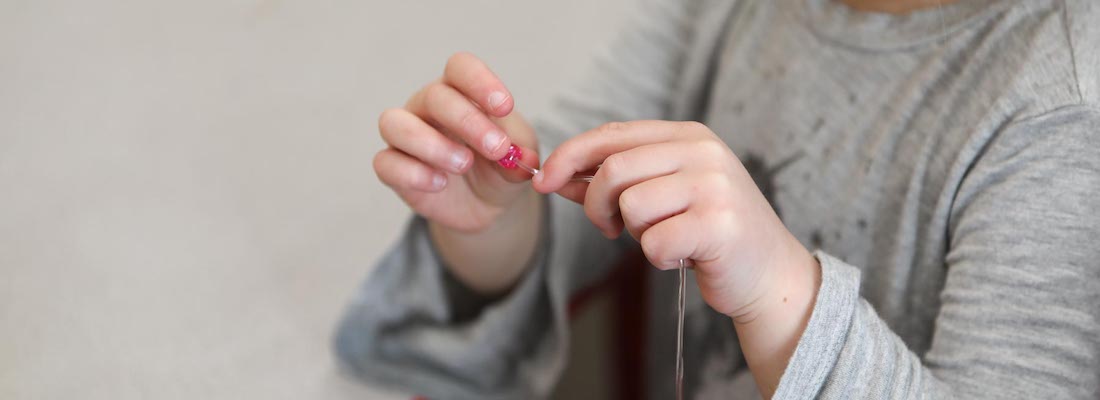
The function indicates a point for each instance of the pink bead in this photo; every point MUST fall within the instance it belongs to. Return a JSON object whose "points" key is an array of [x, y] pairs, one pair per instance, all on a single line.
{"points": [[509, 160]]}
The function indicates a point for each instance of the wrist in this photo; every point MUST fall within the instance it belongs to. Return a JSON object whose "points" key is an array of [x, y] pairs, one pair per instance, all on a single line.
{"points": [[491, 260], [770, 336], [789, 287]]}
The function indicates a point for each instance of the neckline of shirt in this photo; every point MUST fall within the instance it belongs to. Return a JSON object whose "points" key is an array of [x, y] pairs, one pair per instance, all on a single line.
{"points": [[835, 21]]}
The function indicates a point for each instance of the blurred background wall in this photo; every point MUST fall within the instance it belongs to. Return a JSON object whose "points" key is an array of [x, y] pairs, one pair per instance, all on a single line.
{"points": [[186, 194]]}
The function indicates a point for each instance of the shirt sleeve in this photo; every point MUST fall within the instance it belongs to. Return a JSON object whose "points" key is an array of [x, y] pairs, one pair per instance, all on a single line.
{"points": [[415, 328], [1020, 313]]}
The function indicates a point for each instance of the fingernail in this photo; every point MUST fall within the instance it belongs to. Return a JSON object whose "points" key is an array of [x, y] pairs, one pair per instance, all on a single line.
{"points": [[496, 99], [438, 181], [458, 161], [537, 178], [492, 141]]}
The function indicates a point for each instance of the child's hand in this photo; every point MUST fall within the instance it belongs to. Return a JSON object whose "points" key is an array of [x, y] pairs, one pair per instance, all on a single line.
{"points": [[443, 147], [682, 193]]}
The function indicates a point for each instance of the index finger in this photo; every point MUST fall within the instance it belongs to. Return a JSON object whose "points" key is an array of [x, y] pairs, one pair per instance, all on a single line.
{"points": [[587, 150], [477, 82]]}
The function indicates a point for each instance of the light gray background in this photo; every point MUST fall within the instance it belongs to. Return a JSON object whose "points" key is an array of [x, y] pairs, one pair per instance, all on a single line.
{"points": [[186, 194]]}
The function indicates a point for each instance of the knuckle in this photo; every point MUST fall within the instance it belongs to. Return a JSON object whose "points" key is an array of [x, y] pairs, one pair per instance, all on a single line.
{"points": [[713, 148], [611, 128], [725, 225], [714, 182], [694, 126], [613, 165], [469, 119], [434, 94], [628, 203]]}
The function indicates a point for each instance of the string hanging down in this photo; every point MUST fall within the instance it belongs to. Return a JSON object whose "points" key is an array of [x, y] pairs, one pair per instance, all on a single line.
{"points": [[681, 304], [512, 161]]}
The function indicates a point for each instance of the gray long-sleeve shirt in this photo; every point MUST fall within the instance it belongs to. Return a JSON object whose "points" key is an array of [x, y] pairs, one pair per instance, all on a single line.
{"points": [[946, 164]]}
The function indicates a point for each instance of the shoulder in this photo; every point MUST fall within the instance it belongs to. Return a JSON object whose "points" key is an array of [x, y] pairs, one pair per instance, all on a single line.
{"points": [[1039, 60], [1082, 23], [1050, 51]]}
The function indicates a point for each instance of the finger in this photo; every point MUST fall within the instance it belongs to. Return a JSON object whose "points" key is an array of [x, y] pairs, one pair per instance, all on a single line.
{"points": [[447, 108], [403, 172], [589, 149], [574, 191], [476, 81], [671, 240], [623, 170], [408, 133], [648, 203]]}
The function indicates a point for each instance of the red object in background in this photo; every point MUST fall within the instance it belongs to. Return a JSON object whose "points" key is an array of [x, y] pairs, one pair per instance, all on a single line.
{"points": [[627, 286]]}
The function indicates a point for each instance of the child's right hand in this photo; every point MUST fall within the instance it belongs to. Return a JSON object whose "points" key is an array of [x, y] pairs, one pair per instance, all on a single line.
{"points": [[443, 147]]}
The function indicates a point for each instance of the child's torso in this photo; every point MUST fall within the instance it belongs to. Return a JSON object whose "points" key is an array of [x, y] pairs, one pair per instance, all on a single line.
{"points": [[861, 145]]}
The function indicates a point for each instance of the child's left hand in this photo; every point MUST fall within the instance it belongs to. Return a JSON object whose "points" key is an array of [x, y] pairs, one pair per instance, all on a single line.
{"points": [[682, 193]]}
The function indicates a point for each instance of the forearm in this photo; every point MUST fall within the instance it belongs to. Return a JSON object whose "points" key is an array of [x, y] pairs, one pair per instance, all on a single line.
{"points": [[491, 261]]}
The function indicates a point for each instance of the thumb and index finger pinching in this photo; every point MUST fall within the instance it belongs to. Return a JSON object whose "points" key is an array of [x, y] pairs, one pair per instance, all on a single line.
{"points": [[588, 150]]}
